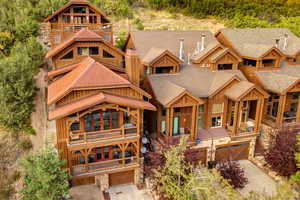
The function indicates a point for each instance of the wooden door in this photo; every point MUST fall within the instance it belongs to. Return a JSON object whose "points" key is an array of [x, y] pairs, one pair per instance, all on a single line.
{"points": [[238, 151], [121, 178]]}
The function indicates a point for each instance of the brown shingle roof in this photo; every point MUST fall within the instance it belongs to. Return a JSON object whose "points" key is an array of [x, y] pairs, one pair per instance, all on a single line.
{"points": [[77, 2], [89, 74], [145, 40], [279, 81], [54, 73], [254, 42], [211, 46], [238, 90], [218, 55], [93, 100], [200, 82]]}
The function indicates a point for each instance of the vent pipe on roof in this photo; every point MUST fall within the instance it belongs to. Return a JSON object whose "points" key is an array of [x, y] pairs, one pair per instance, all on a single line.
{"points": [[181, 50], [285, 41], [202, 42], [189, 59], [277, 43]]}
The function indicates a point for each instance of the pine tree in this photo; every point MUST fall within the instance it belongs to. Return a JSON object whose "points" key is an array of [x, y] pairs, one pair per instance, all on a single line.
{"points": [[44, 177]]}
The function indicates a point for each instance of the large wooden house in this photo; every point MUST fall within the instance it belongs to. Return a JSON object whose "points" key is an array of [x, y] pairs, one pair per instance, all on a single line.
{"points": [[98, 112], [74, 16], [269, 60], [199, 92]]}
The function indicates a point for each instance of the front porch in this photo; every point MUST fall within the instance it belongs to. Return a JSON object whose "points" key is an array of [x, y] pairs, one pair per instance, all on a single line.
{"points": [[97, 159]]}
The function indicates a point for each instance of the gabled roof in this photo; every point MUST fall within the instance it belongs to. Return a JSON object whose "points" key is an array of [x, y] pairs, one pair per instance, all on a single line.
{"points": [[145, 40], [221, 53], [254, 42], [239, 90], [155, 53], [81, 36], [200, 82], [211, 47], [89, 74], [96, 99], [77, 2]]}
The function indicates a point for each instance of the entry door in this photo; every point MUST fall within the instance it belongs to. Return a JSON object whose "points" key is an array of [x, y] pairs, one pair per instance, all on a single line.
{"points": [[176, 126]]}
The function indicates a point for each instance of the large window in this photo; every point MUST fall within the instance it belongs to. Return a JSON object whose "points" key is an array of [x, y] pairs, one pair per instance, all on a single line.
{"points": [[217, 108], [163, 126], [272, 105], [101, 121], [68, 55], [216, 121]]}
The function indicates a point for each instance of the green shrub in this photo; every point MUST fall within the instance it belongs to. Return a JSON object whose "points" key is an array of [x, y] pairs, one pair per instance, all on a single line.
{"points": [[121, 40], [44, 177]]}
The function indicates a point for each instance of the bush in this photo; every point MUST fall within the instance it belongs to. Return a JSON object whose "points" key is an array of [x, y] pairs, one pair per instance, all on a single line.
{"points": [[119, 8], [121, 39], [232, 171], [44, 177], [280, 155]]}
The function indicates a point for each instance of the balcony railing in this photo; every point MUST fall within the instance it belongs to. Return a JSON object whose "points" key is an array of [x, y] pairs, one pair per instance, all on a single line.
{"points": [[86, 137], [103, 165], [75, 27]]}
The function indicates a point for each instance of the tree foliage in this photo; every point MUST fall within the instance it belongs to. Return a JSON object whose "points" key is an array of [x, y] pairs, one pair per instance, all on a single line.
{"points": [[44, 177], [232, 171], [280, 155]]}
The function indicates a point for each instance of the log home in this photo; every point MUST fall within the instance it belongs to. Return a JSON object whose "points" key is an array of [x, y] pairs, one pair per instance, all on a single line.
{"points": [[99, 121], [74, 16], [269, 61], [198, 90]]}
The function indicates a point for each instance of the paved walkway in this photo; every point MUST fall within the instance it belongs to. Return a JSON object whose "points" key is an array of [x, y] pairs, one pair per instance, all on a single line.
{"points": [[86, 192], [258, 180], [128, 192]]}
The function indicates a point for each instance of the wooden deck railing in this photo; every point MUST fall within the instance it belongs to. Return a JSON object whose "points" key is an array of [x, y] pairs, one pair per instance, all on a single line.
{"points": [[103, 165], [86, 137], [73, 27]]}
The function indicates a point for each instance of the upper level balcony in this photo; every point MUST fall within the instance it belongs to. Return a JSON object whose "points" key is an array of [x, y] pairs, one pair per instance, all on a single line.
{"points": [[96, 136]]}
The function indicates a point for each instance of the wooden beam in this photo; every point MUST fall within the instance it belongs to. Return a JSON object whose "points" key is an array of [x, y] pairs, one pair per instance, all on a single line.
{"points": [[281, 108], [171, 121], [193, 123]]}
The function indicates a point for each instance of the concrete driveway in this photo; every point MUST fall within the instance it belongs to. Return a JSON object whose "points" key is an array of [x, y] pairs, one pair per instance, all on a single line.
{"points": [[86, 192], [128, 192], [258, 180]]}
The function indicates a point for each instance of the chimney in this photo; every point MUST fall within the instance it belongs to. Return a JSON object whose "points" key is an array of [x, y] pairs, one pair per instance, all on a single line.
{"points": [[132, 66], [181, 50], [202, 42], [277, 42], [285, 41]]}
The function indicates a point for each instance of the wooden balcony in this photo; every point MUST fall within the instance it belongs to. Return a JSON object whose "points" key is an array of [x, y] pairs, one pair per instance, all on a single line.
{"points": [[76, 27], [102, 166], [96, 136]]}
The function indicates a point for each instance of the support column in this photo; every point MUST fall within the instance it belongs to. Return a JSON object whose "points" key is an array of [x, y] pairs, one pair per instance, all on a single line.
{"points": [[194, 121], [171, 121], [167, 121], [281, 108], [236, 117], [298, 111]]}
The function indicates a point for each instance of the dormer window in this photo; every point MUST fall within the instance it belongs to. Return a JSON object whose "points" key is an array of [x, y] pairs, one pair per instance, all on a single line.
{"points": [[269, 63], [164, 70], [225, 66], [79, 10]]}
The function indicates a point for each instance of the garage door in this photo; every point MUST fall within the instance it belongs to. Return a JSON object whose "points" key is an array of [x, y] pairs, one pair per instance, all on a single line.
{"points": [[121, 178], [197, 155], [238, 151]]}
